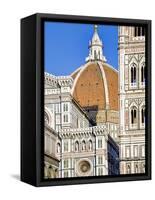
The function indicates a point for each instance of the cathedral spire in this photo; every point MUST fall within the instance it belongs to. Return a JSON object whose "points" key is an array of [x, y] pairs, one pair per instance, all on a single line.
{"points": [[95, 47]]}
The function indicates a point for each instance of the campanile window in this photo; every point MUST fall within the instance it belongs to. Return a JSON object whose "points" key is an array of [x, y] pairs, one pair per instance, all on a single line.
{"points": [[133, 73], [143, 73], [134, 115], [143, 115], [139, 31]]}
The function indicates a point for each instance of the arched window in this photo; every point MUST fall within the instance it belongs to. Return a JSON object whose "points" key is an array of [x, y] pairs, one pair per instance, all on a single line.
{"points": [[143, 115], [90, 145], [65, 118], [99, 143], [65, 146], [58, 147], [143, 73], [95, 55], [133, 73], [100, 171], [65, 107], [136, 168], [139, 31], [133, 115], [83, 145], [76, 146], [100, 160], [128, 169]]}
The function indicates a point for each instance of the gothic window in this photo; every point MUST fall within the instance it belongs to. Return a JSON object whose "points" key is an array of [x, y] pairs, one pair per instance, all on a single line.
{"points": [[128, 169], [143, 115], [65, 107], [99, 143], [133, 73], [65, 146], [127, 151], [65, 163], [65, 118], [90, 145], [139, 31], [83, 145], [100, 171], [143, 73], [100, 160], [76, 146], [136, 31], [58, 147], [133, 115], [136, 168], [135, 151]]}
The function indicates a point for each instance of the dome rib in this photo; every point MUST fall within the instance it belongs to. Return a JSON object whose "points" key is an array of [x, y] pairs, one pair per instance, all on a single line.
{"points": [[96, 85], [105, 84], [77, 76]]}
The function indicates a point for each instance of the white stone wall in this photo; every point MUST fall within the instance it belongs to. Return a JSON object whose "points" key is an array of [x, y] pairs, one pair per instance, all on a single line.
{"points": [[132, 95], [51, 161], [94, 155], [59, 101], [78, 119]]}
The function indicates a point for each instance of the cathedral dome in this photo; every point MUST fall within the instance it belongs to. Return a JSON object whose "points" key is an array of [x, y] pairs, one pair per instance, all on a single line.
{"points": [[96, 86]]}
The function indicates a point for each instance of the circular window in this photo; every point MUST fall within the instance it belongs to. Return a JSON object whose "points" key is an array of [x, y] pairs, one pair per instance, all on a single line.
{"points": [[84, 166]]}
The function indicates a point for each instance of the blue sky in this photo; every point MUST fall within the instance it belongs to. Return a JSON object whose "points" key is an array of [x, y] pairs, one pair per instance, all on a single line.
{"points": [[66, 45]]}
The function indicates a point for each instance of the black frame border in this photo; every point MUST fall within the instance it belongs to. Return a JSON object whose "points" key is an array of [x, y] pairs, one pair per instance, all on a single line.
{"points": [[38, 22]]}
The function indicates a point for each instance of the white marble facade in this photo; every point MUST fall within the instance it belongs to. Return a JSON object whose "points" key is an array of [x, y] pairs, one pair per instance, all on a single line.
{"points": [[77, 147], [132, 99]]}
